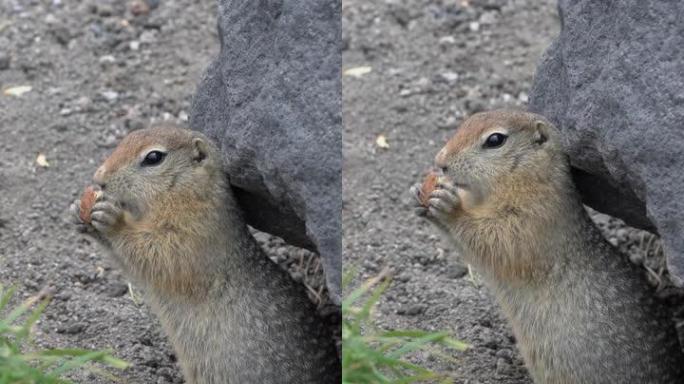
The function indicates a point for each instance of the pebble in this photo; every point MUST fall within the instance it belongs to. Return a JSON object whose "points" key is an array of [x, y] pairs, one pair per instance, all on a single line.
{"points": [[447, 40], [488, 18], [149, 36], [4, 61], [297, 276], [104, 10], [51, 19], [138, 7], [108, 142], [72, 329], [456, 271], [107, 59], [448, 122], [411, 310], [110, 95], [501, 366], [116, 289], [61, 34], [449, 77], [59, 127], [505, 354], [474, 105], [134, 124]]}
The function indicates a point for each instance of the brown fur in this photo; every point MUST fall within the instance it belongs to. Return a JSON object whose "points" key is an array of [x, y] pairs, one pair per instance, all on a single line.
{"points": [[134, 143]]}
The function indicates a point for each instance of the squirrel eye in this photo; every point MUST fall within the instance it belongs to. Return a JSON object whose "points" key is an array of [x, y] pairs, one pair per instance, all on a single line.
{"points": [[495, 140], [153, 158]]}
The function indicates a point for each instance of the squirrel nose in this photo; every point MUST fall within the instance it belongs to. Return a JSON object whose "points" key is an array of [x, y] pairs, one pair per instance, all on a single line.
{"points": [[99, 177]]}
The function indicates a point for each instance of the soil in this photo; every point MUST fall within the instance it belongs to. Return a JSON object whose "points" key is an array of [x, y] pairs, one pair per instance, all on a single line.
{"points": [[432, 63], [97, 70]]}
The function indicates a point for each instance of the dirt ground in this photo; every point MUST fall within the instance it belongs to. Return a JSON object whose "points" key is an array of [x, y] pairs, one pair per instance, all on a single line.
{"points": [[433, 62], [97, 70]]}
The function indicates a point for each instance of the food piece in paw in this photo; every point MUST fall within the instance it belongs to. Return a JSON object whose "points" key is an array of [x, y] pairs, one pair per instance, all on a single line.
{"points": [[88, 199], [428, 186]]}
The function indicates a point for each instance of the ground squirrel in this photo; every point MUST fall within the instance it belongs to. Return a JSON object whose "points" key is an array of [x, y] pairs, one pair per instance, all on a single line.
{"points": [[581, 313], [168, 215]]}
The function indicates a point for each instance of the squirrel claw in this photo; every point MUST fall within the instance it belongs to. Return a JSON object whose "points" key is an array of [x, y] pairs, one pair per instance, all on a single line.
{"points": [[105, 215]]}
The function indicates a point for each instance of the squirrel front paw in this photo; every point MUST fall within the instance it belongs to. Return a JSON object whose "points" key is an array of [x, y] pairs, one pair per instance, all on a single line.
{"points": [[441, 206], [105, 215]]}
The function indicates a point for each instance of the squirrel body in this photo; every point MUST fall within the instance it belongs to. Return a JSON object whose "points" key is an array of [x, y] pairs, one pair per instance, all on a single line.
{"points": [[233, 316], [581, 314]]}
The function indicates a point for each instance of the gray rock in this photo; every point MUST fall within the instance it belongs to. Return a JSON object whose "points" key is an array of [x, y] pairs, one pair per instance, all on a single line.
{"points": [[272, 100], [613, 82]]}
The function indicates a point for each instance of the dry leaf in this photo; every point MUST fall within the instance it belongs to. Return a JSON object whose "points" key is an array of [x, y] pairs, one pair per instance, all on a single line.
{"points": [[17, 91], [381, 142], [41, 160], [357, 71]]}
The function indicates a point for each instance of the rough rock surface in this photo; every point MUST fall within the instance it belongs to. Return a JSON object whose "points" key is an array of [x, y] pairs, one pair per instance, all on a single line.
{"points": [[613, 83], [272, 100]]}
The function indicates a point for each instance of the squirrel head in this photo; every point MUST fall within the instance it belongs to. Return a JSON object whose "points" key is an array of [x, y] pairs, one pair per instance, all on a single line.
{"points": [[156, 163], [501, 153]]}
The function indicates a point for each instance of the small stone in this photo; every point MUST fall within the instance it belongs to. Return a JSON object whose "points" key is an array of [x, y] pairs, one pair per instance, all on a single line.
{"points": [[297, 276], [449, 77], [117, 289], [456, 271], [501, 366], [404, 277], [488, 18], [83, 102], [4, 61], [51, 19], [110, 95], [448, 122], [138, 7], [61, 34], [72, 329], [134, 124], [148, 37], [60, 127], [104, 10], [621, 234], [134, 45], [411, 310], [474, 26], [505, 354], [152, 3], [107, 59], [447, 40]]}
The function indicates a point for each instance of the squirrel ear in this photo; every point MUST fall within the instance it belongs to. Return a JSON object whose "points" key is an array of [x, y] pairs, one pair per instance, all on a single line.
{"points": [[541, 132], [199, 150]]}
